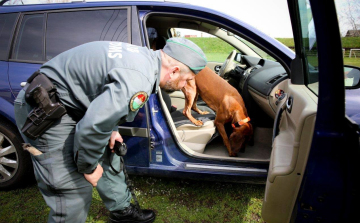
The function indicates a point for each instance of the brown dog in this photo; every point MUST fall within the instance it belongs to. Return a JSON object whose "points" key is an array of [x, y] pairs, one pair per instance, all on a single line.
{"points": [[226, 101]]}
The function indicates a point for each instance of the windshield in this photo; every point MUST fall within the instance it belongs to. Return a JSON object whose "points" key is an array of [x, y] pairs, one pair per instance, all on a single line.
{"points": [[218, 49], [256, 49]]}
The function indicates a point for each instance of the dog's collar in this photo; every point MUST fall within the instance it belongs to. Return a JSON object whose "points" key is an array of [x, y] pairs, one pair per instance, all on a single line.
{"points": [[241, 122]]}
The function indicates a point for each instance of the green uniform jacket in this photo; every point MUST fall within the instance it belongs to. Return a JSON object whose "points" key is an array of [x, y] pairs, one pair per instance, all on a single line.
{"points": [[98, 81]]}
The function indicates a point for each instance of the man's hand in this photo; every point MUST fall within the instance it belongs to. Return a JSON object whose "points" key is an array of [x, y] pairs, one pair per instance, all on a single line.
{"points": [[115, 136], [94, 177]]}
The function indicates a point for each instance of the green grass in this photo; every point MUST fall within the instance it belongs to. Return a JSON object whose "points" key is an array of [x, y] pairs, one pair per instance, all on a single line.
{"points": [[347, 42], [174, 200], [289, 42], [212, 45], [352, 61], [216, 45], [347, 61], [351, 42], [214, 48], [216, 56], [217, 50]]}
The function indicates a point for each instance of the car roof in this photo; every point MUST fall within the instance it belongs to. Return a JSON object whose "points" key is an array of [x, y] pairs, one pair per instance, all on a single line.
{"points": [[148, 5], [74, 5]]}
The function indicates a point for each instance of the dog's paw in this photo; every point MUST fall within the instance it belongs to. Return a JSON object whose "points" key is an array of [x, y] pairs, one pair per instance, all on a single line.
{"points": [[198, 123], [204, 113], [232, 154]]}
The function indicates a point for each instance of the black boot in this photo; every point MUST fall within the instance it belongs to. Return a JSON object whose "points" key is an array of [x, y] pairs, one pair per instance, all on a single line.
{"points": [[131, 214]]}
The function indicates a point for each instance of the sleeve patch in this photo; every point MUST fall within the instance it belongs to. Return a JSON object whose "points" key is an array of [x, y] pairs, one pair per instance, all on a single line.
{"points": [[138, 100]]}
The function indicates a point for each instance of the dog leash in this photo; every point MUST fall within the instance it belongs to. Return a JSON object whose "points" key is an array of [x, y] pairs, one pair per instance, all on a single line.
{"points": [[120, 149]]}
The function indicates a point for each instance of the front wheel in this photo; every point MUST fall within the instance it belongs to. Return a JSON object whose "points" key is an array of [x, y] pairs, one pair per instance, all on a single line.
{"points": [[15, 164]]}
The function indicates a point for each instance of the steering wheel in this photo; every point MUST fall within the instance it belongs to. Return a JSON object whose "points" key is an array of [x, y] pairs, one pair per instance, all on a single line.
{"points": [[228, 65]]}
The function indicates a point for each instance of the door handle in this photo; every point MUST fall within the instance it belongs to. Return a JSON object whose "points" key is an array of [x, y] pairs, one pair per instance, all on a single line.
{"points": [[289, 104], [281, 107], [133, 131]]}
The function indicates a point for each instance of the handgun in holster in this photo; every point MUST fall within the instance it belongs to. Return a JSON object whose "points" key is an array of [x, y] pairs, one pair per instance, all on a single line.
{"points": [[40, 93]]}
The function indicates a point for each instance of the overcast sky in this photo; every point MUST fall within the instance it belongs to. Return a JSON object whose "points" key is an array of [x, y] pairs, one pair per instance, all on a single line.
{"points": [[269, 16]]}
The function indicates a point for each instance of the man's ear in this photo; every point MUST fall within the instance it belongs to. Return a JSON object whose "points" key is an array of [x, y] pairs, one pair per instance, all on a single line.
{"points": [[174, 72]]}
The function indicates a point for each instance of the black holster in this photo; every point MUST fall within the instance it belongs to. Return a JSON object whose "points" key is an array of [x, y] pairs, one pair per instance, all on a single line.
{"points": [[40, 93]]}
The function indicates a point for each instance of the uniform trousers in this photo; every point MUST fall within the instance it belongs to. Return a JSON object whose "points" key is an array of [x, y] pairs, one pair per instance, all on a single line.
{"points": [[64, 189]]}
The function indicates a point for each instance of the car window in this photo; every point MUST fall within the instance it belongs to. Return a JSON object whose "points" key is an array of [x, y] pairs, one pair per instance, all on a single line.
{"points": [[66, 30], [215, 49], [349, 23], [309, 45], [29, 42], [256, 49], [7, 22]]}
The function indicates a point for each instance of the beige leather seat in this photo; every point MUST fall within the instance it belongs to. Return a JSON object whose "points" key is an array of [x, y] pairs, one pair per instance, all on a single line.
{"points": [[194, 137]]}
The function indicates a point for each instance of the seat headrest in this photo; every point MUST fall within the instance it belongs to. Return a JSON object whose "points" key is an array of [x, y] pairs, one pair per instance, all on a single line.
{"points": [[158, 43]]}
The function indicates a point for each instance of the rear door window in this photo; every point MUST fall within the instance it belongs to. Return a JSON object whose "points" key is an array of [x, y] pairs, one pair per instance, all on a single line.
{"points": [[7, 22], [66, 30], [29, 42]]}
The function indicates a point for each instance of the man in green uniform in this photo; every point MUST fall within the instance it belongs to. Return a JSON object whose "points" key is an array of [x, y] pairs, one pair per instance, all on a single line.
{"points": [[101, 84]]}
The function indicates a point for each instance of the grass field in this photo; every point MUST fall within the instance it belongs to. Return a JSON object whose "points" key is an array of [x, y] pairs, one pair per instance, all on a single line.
{"points": [[216, 45], [222, 56], [351, 42], [352, 61], [174, 200], [347, 42], [217, 50]]}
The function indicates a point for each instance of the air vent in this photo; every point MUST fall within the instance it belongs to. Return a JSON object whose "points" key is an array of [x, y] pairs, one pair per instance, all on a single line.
{"points": [[252, 70], [276, 78]]}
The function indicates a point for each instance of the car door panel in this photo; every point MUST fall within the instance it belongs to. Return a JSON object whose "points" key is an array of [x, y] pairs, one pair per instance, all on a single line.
{"points": [[320, 187], [20, 72], [289, 154], [4, 83]]}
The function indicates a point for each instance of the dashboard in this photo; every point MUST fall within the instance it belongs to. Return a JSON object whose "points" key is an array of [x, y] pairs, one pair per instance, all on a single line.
{"points": [[264, 81]]}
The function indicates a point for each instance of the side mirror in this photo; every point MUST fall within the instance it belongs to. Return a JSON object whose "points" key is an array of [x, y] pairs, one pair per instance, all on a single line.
{"points": [[352, 77]]}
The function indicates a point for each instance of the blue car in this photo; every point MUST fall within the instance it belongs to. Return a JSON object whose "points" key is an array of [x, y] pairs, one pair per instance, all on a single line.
{"points": [[305, 145]]}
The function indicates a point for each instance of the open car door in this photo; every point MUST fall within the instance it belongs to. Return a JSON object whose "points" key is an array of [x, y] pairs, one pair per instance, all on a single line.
{"points": [[313, 164]]}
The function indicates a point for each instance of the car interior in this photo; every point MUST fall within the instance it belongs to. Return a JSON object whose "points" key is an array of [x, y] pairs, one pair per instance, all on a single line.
{"points": [[283, 114], [260, 100], [262, 82]]}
